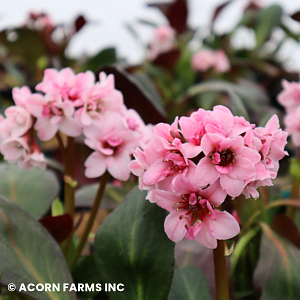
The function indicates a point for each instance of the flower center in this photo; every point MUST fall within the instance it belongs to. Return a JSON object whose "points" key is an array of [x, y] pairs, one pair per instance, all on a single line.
{"points": [[194, 207], [223, 157]]}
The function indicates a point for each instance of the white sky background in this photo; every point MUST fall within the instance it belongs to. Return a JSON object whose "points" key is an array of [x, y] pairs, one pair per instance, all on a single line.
{"points": [[107, 18]]}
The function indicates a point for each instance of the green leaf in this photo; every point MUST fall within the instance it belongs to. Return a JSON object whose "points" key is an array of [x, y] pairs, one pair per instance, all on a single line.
{"points": [[57, 208], [84, 196], [25, 44], [233, 91], [85, 272], [132, 248], [189, 283], [277, 273], [33, 190], [28, 254], [105, 57], [149, 88], [268, 19], [295, 167]]}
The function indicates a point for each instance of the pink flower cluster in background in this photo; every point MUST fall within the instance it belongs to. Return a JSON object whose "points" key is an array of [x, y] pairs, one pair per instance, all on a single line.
{"points": [[289, 98], [163, 41], [73, 105], [206, 59], [190, 166]]}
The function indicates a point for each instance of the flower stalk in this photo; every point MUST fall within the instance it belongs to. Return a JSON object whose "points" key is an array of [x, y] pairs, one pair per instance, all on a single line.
{"points": [[221, 276], [69, 186], [90, 222]]}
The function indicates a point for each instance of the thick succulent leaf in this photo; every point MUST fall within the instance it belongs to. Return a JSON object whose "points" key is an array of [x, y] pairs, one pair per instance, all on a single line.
{"points": [[33, 190], [189, 283], [28, 254], [132, 248], [277, 273]]}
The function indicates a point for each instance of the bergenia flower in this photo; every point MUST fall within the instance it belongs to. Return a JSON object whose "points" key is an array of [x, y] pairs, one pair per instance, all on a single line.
{"points": [[69, 86], [193, 212], [163, 41], [206, 59], [190, 166], [113, 144]]}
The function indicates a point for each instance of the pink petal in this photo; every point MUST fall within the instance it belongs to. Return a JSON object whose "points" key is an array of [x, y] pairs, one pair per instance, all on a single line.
{"points": [[233, 187], [206, 172], [155, 173], [175, 227], [95, 165], [45, 130], [211, 141], [166, 199], [118, 169], [206, 235], [70, 127], [242, 168], [226, 226], [214, 193]]}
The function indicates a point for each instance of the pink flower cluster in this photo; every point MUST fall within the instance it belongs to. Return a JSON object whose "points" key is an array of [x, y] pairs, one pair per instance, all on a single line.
{"points": [[73, 105], [163, 41], [289, 98], [206, 59], [190, 166]]}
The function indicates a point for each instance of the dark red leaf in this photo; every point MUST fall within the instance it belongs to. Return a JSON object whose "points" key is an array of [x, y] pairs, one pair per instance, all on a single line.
{"points": [[285, 226], [296, 16], [79, 23], [167, 59], [177, 15], [176, 12], [219, 9], [59, 227], [134, 96]]}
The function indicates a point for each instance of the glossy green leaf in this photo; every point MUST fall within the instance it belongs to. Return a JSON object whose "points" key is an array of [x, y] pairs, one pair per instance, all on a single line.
{"points": [[28, 254], [132, 248], [33, 190], [277, 273], [189, 283], [268, 19]]}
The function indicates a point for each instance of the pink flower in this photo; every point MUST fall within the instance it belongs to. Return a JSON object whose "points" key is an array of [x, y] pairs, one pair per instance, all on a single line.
{"points": [[167, 153], [289, 97], [273, 142], [205, 59], [193, 214], [54, 114], [190, 166], [226, 159], [292, 123], [100, 98], [65, 83], [14, 148], [163, 41], [24, 151], [18, 120], [221, 62], [33, 160], [113, 144]]}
